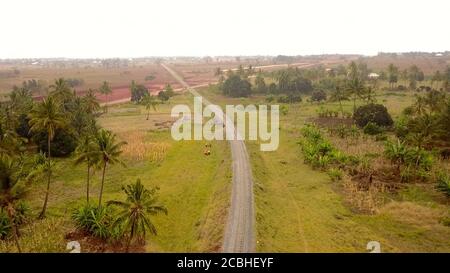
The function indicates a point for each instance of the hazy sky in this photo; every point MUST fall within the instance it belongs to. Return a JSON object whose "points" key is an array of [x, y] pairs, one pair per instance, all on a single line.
{"points": [[132, 28]]}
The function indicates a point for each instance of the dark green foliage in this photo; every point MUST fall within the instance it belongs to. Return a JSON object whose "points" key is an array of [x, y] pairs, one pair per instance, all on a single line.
{"points": [[23, 129], [5, 225], [138, 91], [234, 86], [272, 89], [318, 151], [292, 81], [63, 144], [372, 129], [291, 98], [443, 183], [318, 95], [163, 96], [94, 220], [375, 113], [260, 85]]}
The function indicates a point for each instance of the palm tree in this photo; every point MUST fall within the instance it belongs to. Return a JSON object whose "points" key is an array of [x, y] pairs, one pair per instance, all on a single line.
{"points": [[108, 153], [392, 75], [61, 91], [47, 116], [11, 190], [135, 211], [105, 89], [87, 152], [339, 95], [91, 102], [150, 102]]}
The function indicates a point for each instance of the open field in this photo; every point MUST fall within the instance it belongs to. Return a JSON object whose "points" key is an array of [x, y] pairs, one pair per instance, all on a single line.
{"points": [[300, 209], [119, 78], [195, 188]]}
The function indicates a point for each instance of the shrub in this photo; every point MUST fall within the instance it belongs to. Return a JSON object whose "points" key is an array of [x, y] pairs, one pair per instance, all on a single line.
{"points": [[375, 113], [63, 143], [291, 98], [381, 137], [284, 110], [234, 86], [97, 221], [270, 98], [318, 95], [5, 225], [335, 174], [443, 183], [372, 129], [318, 151]]}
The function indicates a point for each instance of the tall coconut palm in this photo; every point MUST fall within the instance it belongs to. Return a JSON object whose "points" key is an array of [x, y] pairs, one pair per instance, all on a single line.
{"points": [[105, 89], [149, 102], [61, 91], [47, 116], [91, 102], [108, 152], [87, 152], [133, 218], [11, 189]]}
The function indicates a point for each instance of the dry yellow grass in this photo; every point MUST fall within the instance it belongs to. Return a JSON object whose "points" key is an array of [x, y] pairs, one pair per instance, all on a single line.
{"points": [[139, 149]]}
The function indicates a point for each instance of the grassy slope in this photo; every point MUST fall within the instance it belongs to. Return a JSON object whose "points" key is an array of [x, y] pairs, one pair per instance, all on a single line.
{"points": [[300, 210], [195, 189]]}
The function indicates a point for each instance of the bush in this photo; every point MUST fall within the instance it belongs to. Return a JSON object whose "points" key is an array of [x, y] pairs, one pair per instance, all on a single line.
{"points": [[375, 113], [372, 129], [284, 110], [270, 99], [443, 183], [318, 96], [163, 96], [97, 221], [291, 98], [318, 151], [335, 174], [5, 225], [234, 86]]}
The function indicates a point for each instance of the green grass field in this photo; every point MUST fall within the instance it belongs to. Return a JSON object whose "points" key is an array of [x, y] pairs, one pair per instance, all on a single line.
{"points": [[195, 188], [299, 209]]}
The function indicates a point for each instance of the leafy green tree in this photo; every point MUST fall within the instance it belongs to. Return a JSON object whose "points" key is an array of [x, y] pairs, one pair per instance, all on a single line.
{"points": [[318, 95], [135, 211], [47, 116], [163, 97], [375, 113], [234, 86], [108, 151], [138, 91]]}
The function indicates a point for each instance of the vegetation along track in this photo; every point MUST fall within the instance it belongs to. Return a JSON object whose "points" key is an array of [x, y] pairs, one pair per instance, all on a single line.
{"points": [[239, 231]]}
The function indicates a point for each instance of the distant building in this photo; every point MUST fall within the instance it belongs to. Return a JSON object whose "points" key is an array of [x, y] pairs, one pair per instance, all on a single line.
{"points": [[373, 76]]}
